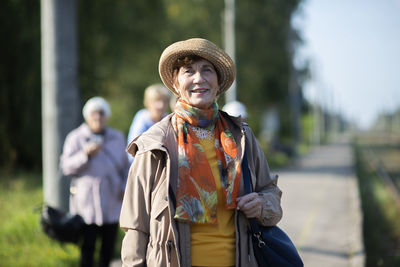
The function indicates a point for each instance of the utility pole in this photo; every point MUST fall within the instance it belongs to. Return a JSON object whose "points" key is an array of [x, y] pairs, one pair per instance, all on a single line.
{"points": [[294, 93], [229, 38], [60, 98]]}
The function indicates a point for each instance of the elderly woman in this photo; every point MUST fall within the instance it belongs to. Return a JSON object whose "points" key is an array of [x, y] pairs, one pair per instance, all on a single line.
{"points": [[94, 156], [184, 203]]}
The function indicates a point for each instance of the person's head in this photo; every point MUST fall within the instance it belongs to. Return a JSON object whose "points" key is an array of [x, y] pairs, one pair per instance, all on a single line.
{"points": [[236, 109], [96, 112], [197, 71], [156, 101]]}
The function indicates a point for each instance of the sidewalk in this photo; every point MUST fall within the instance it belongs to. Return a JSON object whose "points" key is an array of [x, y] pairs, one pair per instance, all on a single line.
{"points": [[321, 207]]}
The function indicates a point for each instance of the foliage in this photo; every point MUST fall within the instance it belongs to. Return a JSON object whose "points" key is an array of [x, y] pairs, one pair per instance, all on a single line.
{"points": [[20, 116], [388, 121], [119, 47], [22, 242], [308, 124], [381, 212], [263, 57]]}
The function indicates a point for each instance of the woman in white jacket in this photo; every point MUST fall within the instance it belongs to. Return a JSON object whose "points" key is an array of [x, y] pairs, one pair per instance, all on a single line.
{"points": [[94, 157]]}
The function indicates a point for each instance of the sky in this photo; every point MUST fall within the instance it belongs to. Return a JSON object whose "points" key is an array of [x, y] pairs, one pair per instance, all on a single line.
{"points": [[353, 47]]}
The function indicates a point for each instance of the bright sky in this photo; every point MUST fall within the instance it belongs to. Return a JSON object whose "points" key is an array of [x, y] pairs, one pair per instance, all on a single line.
{"points": [[354, 48]]}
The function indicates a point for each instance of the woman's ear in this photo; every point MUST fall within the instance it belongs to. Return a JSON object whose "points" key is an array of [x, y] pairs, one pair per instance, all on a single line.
{"points": [[175, 86], [175, 82], [219, 90]]}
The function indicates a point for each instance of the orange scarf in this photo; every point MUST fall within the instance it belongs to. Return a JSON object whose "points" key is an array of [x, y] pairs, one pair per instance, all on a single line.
{"points": [[196, 192]]}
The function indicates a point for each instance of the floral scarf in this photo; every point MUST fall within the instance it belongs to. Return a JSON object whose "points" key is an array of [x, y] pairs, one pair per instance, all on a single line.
{"points": [[196, 191]]}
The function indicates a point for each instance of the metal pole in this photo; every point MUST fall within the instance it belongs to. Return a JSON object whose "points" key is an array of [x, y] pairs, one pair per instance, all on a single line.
{"points": [[229, 38], [60, 98], [294, 95]]}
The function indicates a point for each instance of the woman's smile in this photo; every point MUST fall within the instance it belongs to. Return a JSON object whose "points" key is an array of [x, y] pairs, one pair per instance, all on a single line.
{"points": [[200, 90]]}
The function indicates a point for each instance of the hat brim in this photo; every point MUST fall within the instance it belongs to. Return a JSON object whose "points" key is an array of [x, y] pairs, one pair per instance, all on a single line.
{"points": [[202, 48]]}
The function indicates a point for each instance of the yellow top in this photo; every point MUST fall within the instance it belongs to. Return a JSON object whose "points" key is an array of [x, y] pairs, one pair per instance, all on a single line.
{"points": [[214, 245]]}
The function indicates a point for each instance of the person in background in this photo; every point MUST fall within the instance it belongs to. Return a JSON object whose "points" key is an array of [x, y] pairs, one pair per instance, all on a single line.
{"points": [[184, 203], [94, 157], [236, 109], [156, 101]]}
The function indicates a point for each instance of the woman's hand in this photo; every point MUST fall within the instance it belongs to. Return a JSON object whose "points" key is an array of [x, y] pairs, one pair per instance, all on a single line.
{"points": [[250, 205], [92, 149]]}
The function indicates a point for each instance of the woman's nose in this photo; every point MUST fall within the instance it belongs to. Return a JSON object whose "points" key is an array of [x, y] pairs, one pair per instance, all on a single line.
{"points": [[198, 77]]}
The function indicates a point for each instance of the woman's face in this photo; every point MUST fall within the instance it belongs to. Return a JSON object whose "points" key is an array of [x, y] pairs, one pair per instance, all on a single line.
{"points": [[157, 105], [197, 84], [96, 120]]}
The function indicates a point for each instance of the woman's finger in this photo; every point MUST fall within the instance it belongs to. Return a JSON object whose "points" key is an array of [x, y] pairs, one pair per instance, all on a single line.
{"points": [[250, 205], [241, 201]]}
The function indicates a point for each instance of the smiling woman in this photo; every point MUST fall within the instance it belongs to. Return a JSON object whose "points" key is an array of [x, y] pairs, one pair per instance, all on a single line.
{"points": [[184, 204]]}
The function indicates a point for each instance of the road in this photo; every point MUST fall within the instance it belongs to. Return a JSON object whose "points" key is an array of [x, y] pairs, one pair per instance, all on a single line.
{"points": [[322, 209]]}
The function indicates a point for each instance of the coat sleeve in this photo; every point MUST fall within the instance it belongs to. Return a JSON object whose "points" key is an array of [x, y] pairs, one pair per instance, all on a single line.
{"points": [[136, 209], [266, 184], [73, 159]]}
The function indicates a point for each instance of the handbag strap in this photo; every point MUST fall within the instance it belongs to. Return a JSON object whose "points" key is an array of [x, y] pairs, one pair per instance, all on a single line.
{"points": [[247, 187], [246, 173]]}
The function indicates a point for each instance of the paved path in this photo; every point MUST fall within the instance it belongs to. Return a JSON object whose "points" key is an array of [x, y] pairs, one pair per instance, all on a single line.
{"points": [[322, 209], [321, 206]]}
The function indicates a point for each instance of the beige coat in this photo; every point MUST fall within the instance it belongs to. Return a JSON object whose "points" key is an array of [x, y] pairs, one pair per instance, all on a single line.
{"points": [[152, 236]]}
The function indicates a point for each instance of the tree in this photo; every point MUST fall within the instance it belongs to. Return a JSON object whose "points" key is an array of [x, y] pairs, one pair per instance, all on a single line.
{"points": [[119, 45], [20, 117], [264, 58]]}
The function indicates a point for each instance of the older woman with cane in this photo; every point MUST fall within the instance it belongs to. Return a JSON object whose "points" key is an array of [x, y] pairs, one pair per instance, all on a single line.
{"points": [[185, 204]]}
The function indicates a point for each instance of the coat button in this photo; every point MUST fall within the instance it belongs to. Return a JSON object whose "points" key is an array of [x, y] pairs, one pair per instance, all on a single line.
{"points": [[166, 198]]}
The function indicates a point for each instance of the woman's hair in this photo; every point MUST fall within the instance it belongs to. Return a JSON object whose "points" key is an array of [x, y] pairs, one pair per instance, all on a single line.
{"points": [[155, 90], [96, 103], [186, 61]]}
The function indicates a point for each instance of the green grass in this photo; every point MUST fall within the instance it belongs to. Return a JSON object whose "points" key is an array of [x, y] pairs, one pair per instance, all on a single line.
{"points": [[22, 242], [381, 226]]}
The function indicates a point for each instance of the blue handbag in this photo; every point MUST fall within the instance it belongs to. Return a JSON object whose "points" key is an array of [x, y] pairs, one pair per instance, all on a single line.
{"points": [[272, 247]]}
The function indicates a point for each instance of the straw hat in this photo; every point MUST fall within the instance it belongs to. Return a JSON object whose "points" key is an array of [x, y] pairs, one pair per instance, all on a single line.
{"points": [[202, 48]]}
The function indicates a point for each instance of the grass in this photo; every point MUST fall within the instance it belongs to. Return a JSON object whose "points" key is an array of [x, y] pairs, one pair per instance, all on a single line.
{"points": [[22, 242], [381, 213]]}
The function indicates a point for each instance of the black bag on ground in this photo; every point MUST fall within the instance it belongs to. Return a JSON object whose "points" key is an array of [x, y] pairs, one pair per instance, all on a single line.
{"points": [[61, 226], [272, 247]]}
